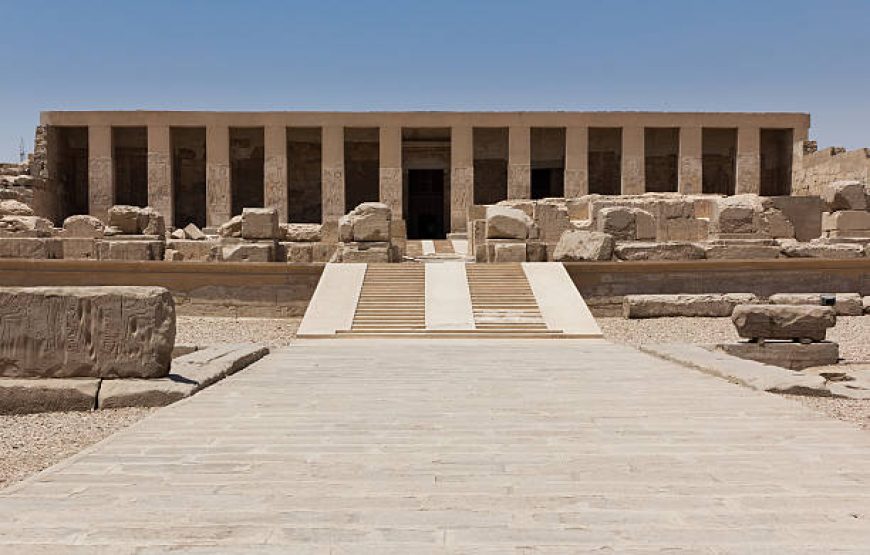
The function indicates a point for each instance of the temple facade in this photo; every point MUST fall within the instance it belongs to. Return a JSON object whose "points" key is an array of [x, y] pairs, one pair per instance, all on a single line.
{"points": [[428, 167]]}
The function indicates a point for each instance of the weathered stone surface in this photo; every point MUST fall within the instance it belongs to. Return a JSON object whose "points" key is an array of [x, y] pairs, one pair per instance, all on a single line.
{"points": [[322, 252], [846, 304], [504, 222], [866, 303], [659, 251], [773, 223], [627, 223], [25, 396], [130, 250], [301, 233], [83, 226], [178, 234], [30, 247], [192, 232], [231, 228], [76, 248], [125, 218], [536, 251], [783, 321], [846, 220], [737, 251], [367, 251], [299, 253], [24, 226], [14, 208], [738, 214], [345, 229], [86, 332], [785, 354], [193, 250], [501, 251], [823, 250], [709, 305], [248, 252], [552, 221], [260, 223], [844, 195], [583, 245], [151, 222], [172, 255], [371, 226]]}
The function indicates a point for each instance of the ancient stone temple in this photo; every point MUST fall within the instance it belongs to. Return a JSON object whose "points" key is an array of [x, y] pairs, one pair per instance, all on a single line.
{"points": [[428, 167]]}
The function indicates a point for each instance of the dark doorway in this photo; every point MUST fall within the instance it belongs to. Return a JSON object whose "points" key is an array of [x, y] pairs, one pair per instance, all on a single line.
{"points": [[425, 217], [776, 154], [548, 183], [130, 151]]}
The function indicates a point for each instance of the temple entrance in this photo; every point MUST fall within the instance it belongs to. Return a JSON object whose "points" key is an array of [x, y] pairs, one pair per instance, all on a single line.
{"points": [[425, 216]]}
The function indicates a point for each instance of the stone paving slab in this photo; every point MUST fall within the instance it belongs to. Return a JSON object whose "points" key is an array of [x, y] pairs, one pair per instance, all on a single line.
{"points": [[458, 446]]}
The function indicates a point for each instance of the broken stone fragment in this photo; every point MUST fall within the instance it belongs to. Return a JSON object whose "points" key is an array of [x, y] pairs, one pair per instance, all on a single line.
{"points": [[583, 245], [259, 223], [783, 321], [191, 231], [125, 218], [83, 226], [844, 195], [231, 228], [301, 233], [503, 222], [24, 226], [14, 208]]}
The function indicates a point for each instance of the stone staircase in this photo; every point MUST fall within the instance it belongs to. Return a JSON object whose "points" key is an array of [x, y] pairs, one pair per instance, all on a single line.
{"points": [[392, 300], [502, 300]]}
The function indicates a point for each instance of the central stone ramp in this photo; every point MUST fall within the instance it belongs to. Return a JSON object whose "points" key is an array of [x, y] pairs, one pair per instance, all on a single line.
{"points": [[447, 300]]}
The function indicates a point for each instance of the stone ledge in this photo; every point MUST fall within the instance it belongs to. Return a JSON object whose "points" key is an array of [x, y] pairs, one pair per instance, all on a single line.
{"points": [[785, 354], [25, 396]]}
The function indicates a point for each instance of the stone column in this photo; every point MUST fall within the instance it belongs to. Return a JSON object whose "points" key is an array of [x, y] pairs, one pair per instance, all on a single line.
{"points": [[218, 199], [748, 160], [101, 174], [799, 136], [160, 190], [275, 169], [690, 161], [390, 176], [576, 161], [633, 156], [332, 186], [519, 184], [461, 177]]}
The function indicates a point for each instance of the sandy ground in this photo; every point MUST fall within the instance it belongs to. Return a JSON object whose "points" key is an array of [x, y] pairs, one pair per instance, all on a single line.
{"points": [[205, 330], [851, 332], [32, 442]]}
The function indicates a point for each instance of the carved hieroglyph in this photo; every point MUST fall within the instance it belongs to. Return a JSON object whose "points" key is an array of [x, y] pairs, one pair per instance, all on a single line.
{"points": [[104, 332]]}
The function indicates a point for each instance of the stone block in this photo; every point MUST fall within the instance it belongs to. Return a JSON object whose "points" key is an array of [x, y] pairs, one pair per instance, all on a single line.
{"points": [[192, 232], [804, 213], [129, 250], [177, 234], [30, 247], [683, 229], [737, 251], [552, 221], [536, 251], [151, 222], [24, 226], [703, 305], [299, 253], [301, 233], [105, 332], [345, 229], [125, 218], [323, 252], [26, 396], [231, 228], [79, 249], [192, 250], [373, 227], [823, 250], [504, 222], [846, 304], [83, 227], [738, 214], [505, 250], [583, 245], [260, 223], [248, 252], [367, 251], [844, 195], [785, 354], [626, 223], [796, 322], [846, 220], [11, 207], [659, 251]]}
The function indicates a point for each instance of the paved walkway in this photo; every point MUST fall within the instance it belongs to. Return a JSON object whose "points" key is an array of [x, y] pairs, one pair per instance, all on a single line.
{"points": [[459, 446]]}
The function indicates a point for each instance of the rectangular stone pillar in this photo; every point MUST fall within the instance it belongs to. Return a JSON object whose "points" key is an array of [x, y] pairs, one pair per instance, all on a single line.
{"points": [[690, 161], [332, 185], [390, 176], [799, 136], [101, 175], [519, 184], [461, 177], [160, 190], [633, 156], [576, 161], [218, 198], [748, 160], [275, 169]]}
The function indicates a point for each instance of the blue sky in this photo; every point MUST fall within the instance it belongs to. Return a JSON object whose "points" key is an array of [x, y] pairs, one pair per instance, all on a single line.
{"points": [[796, 55]]}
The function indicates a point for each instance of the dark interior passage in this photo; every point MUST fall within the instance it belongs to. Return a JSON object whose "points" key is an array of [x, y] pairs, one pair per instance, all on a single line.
{"points": [[361, 166], [661, 158], [71, 171], [130, 158], [188, 175], [776, 161], [605, 160], [247, 158], [548, 162], [490, 164], [304, 174], [425, 216], [718, 160]]}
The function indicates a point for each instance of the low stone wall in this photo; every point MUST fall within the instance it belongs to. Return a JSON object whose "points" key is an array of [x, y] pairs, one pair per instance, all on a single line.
{"points": [[199, 288], [604, 284]]}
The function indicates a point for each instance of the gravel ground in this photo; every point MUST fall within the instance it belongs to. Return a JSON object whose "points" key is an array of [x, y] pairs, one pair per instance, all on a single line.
{"points": [[32, 442], [851, 332], [206, 330]]}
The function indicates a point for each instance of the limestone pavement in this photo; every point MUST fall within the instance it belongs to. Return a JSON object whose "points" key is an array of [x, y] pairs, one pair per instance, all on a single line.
{"points": [[458, 446]]}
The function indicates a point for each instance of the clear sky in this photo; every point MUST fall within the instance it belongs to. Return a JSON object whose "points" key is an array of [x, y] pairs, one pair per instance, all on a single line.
{"points": [[760, 55]]}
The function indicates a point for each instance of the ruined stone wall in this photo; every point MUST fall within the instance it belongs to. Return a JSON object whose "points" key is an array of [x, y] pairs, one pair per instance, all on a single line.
{"points": [[823, 167]]}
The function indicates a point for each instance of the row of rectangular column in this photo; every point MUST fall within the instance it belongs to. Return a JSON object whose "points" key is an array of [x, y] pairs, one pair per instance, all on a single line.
{"points": [[219, 198]]}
